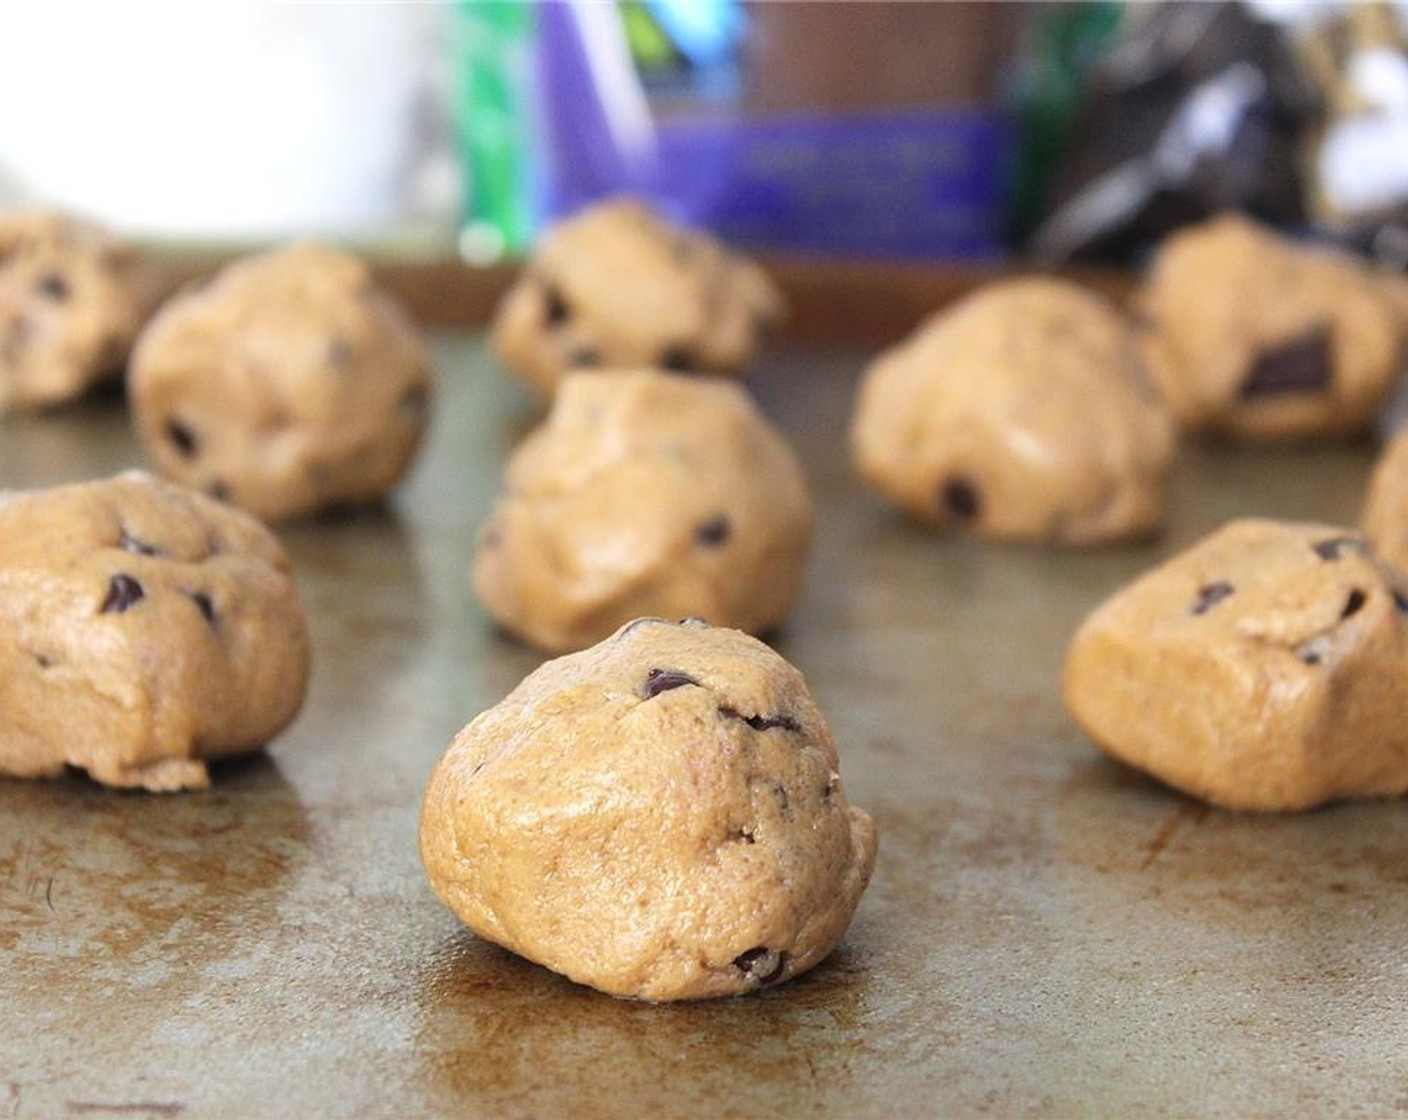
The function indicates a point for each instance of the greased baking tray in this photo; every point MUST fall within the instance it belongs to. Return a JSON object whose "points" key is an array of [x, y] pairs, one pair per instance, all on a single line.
{"points": [[1046, 934]]}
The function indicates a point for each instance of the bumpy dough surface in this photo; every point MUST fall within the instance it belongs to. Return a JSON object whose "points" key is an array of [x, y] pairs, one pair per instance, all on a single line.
{"points": [[659, 817], [1261, 338], [1022, 413], [1265, 668], [286, 385], [72, 299], [645, 494], [1385, 517], [617, 286], [143, 629]]}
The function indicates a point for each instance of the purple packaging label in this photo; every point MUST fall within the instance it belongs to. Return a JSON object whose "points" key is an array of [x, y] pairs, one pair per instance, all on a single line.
{"points": [[892, 184]]}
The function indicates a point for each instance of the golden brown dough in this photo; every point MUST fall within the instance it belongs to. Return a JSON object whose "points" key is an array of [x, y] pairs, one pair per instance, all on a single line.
{"points": [[144, 629], [1264, 668], [659, 817], [1022, 413], [287, 385], [1259, 337], [72, 298], [645, 493], [617, 286]]}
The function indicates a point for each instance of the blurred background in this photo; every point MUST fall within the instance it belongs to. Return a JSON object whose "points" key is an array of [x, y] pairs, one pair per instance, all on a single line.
{"points": [[901, 131]]}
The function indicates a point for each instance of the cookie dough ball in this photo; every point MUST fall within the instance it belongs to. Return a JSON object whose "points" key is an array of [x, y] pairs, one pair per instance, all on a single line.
{"points": [[659, 817], [1265, 668], [1262, 338], [617, 286], [1385, 518], [72, 299], [645, 493], [1022, 413], [287, 385], [143, 630]]}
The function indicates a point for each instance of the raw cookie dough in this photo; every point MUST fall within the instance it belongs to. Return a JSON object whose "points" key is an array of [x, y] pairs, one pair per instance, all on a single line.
{"points": [[1022, 413], [72, 299], [1258, 337], [645, 493], [143, 630], [617, 286], [287, 385], [659, 817], [1385, 517], [1265, 668]]}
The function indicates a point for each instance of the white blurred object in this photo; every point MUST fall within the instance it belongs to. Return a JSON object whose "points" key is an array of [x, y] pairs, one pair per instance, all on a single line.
{"points": [[218, 119]]}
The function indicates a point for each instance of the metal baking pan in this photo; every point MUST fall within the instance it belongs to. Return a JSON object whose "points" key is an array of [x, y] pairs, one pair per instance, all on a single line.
{"points": [[1047, 933]]}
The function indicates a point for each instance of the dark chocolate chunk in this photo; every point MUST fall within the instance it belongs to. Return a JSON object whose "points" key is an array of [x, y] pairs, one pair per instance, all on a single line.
{"points": [[414, 401], [123, 592], [218, 490], [129, 543], [762, 723], [959, 498], [53, 286], [742, 836], [1335, 547], [1354, 603], [677, 358], [44, 660], [662, 680], [184, 439], [714, 532], [584, 357], [207, 608], [1400, 600], [555, 309], [761, 964], [1301, 365], [339, 353], [1211, 595]]}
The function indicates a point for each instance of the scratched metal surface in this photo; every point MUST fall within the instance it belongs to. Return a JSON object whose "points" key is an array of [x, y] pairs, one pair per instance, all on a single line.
{"points": [[1047, 934]]}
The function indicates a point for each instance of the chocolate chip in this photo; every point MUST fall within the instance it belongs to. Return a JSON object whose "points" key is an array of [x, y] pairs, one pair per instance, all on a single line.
{"points": [[184, 439], [761, 964], [123, 592], [1335, 547], [414, 401], [129, 543], [662, 680], [53, 286], [1301, 365], [762, 723], [207, 608], [1354, 603], [1210, 596], [677, 358], [339, 353], [959, 497], [555, 309], [742, 836], [1400, 600], [44, 661], [714, 532], [584, 357], [218, 489]]}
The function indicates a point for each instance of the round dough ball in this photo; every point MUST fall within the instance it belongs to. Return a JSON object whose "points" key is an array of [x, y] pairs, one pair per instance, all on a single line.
{"points": [[1385, 517], [1265, 668], [1022, 413], [659, 817], [143, 629], [617, 286], [645, 493], [72, 299], [1259, 337], [287, 385]]}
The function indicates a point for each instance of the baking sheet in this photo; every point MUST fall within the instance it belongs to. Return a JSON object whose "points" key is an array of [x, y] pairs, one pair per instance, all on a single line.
{"points": [[1046, 934]]}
